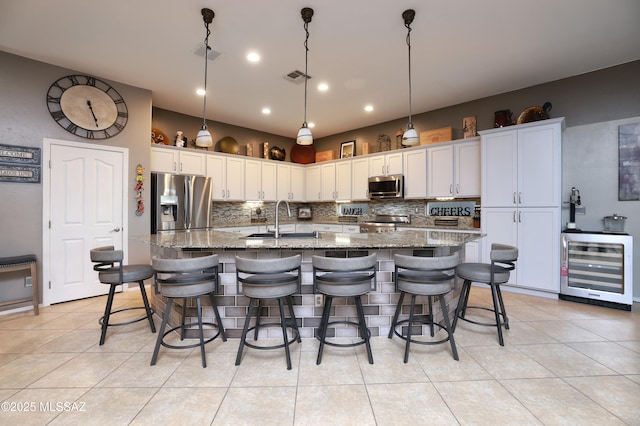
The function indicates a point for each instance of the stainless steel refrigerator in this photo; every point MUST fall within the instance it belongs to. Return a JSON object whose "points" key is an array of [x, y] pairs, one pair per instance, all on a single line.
{"points": [[180, 202]]}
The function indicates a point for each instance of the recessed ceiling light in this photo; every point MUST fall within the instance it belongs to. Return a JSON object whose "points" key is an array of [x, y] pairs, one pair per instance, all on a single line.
{"points": [[266, 111], [323, 87], [311, 125], [368, 108], [253, 57], [200, 92]]}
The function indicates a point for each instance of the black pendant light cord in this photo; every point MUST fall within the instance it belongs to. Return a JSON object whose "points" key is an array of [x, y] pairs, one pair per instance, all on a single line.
{"points": [[407, 23], [306, 62], [206, 54]]}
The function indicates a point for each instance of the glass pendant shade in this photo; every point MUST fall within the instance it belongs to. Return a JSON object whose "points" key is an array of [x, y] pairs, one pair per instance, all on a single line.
{"points": [[204, 138], [304, 136], [410, 136]]}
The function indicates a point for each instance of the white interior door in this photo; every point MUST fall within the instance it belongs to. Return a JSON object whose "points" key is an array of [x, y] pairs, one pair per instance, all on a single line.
{"points": [[85, 210]]}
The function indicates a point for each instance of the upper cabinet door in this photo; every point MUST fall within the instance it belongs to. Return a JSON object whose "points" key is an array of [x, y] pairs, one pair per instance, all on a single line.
{"points": [[415, 173], [217, 171], [192, 163], [500, 169], [467, 169], [235, 178], [164, 160], [440, 166], [539, 169], [359, 179]]}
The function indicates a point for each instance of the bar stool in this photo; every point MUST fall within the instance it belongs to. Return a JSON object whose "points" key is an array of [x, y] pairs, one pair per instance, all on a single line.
{"points": [[424, 276], [111, 271], [25, 262], [268, 279], [344, 277], [183, 279], [494, 274]]}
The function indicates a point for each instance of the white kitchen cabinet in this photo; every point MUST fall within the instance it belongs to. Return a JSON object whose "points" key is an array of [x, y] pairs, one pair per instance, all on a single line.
{"points": [[227, 177], [521, 165], [260, 180], [386, 164], [178, 161], [359, 179], [415, 173], [290, 182], [313, 183], [521, 203], [535, 231], [454, 170], [336, 181]]}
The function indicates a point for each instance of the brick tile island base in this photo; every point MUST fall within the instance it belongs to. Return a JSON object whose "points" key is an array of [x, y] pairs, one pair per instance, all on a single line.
{"points": [[379, 305]]}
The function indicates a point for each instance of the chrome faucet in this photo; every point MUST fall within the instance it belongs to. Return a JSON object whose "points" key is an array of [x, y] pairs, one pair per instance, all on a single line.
{"points": [[277, 230]]}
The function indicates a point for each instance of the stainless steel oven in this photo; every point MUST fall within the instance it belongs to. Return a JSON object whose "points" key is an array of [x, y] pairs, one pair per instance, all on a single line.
{"points": [[597, 268]]}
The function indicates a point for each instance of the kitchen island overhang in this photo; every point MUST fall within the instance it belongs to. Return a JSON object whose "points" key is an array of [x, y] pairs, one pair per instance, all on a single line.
{"points": [[379, 305]]}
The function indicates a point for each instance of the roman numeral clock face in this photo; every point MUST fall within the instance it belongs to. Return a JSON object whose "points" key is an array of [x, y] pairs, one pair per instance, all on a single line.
{"points": [[87, 107]]}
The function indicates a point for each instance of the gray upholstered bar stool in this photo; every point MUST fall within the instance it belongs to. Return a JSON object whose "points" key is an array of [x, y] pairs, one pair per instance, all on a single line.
{"points": [[111, 271], [269, 279], [344, 277], [184, 279], [424, 276], [493, 274]]}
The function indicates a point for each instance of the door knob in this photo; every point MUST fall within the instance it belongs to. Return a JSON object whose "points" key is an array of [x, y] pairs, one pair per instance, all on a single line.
{"points": [[116, 229]]}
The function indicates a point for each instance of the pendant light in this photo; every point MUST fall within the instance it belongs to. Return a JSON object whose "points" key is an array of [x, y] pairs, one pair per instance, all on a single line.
{"points": [[204, 138], [410, 136], [304, 134]]}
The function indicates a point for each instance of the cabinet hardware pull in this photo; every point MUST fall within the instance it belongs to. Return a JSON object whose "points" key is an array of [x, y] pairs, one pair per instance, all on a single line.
{"points": [[457, 188], [520, 217], [451, 189], [514, 216], [519, 197], [514, 198]]}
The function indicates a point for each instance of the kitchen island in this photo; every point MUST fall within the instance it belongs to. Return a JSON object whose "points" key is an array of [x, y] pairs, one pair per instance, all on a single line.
{"points": [[379, 305]]}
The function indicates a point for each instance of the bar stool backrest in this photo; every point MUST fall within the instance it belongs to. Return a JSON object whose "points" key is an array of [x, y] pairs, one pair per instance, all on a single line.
{"points": [[503, 258], [186, 277], [105, 258], [364, 266], [286, 265]]}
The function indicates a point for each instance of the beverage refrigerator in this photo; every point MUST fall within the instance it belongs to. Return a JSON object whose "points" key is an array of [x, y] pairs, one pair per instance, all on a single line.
{"points": [[597, 268], [180, 202]]}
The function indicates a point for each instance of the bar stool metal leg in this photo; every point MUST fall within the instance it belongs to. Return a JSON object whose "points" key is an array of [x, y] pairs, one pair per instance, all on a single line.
{"points": [[165, 319], [245, 330], [363, 328], [283, 323]]}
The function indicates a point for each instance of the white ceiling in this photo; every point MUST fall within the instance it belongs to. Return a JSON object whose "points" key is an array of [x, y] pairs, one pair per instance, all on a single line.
{"points": [[461, 50]]}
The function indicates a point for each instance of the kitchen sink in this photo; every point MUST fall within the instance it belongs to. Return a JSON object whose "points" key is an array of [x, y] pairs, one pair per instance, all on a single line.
{"points": [[259, 235]]}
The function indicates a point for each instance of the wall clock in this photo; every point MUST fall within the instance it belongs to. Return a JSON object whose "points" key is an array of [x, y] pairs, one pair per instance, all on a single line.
{"points": [[87, 107]]}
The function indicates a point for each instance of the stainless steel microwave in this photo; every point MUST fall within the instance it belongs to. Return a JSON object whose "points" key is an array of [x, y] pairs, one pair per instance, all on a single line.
{"points": [[391, 186]]}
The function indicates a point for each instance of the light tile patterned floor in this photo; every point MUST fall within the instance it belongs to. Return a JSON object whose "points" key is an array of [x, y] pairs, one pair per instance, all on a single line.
{"points": [[563, 363]]}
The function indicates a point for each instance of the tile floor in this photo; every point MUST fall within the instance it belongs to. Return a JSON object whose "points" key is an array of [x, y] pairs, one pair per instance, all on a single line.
{"points": [[563, 363]]}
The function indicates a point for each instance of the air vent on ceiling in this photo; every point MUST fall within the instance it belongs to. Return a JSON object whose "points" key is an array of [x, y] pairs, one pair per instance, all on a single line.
{"points": [[296, 77], [213, 54]]}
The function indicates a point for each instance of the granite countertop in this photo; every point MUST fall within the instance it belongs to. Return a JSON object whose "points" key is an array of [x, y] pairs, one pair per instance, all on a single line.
{"points": [[221, 240]]}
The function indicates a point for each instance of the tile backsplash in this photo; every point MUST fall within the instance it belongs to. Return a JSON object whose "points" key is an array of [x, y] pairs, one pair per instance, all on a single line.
{"points": [[242, 213]]}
